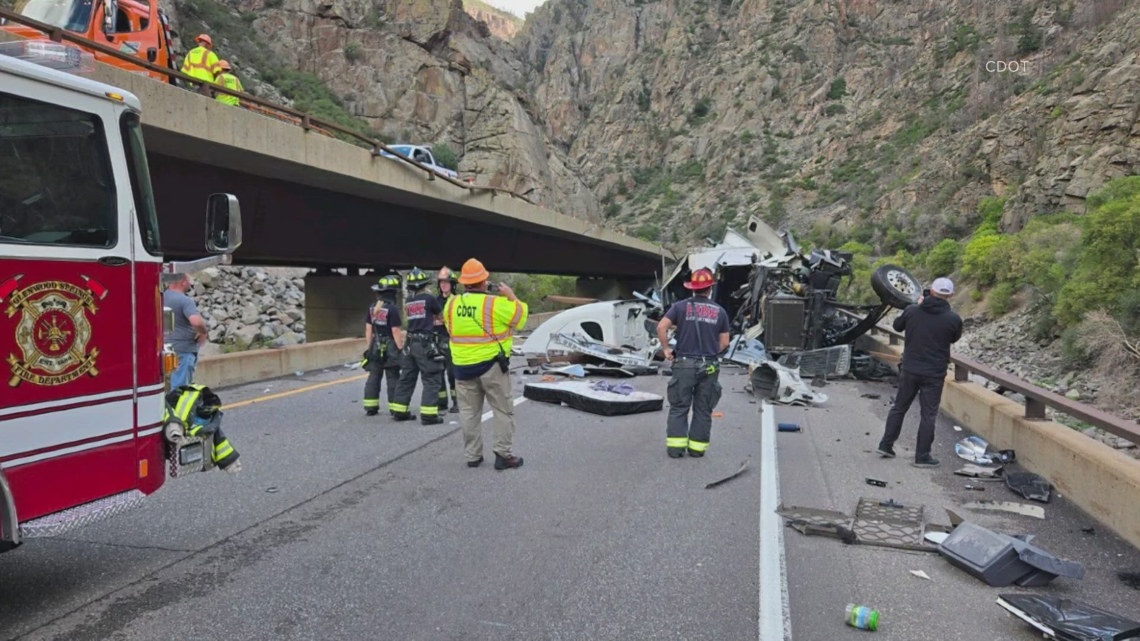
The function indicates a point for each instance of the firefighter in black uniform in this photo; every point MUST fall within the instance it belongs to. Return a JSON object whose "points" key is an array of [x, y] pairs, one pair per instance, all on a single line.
{"points": [[447, 281], [421, 357], [702, 329], [385, 338]]}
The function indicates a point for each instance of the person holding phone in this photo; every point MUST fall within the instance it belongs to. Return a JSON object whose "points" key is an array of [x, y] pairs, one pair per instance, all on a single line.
{"points": [[481, 327]]}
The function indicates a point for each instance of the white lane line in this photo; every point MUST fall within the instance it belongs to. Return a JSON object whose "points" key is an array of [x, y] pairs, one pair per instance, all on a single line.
{"points": [[487, 415], [775, 621]]}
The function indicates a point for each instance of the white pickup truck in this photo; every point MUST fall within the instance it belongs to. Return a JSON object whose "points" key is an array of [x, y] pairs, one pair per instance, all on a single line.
{"points": [[421, 154]]}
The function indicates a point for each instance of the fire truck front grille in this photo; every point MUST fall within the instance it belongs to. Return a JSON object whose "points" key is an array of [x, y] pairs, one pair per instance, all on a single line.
{"points": [[81, 515]]}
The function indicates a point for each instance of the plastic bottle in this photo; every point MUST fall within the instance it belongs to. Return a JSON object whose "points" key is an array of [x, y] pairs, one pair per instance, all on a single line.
{"points": [[862, 617]]}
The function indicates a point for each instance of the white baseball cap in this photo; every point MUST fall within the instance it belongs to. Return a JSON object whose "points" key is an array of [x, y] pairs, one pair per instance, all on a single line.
{"points": [[943, 286]]}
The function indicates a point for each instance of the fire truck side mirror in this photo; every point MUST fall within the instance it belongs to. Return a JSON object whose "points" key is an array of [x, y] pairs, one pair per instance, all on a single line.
{"points": [[223, 224], [110, 9]]}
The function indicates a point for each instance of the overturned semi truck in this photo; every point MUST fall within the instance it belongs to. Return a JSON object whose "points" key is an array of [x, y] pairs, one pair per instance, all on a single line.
{"points": [[784, 304]]}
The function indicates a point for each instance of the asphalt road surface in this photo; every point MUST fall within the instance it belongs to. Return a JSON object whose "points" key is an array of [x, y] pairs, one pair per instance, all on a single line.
{"points": [[343, 526]]}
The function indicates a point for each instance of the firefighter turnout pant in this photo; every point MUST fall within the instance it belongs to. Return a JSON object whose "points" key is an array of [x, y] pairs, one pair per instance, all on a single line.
{"points": [[695, 385], [183, 405], [416, 363], [388, 366], [448, 378]]}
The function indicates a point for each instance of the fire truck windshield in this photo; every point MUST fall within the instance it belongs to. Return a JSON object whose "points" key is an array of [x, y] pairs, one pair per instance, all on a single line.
{"points": [[73, 15], [56, 183], [140, 183]]}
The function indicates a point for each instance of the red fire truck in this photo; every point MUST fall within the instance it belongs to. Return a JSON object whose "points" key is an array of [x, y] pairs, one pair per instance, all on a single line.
{"points": [[83, 367]]}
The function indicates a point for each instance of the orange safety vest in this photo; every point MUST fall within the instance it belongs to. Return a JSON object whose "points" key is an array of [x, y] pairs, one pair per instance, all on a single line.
{"points": [[202, 63], [481, 325], [229, 81]]}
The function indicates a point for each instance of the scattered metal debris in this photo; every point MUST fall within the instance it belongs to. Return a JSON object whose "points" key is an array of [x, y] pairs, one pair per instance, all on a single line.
{"points": [[876, 482], [936, 537], [976, 488], [570, 371], [1068, 619], [788, 427], [976, 450], [597, 349], [737, 473], [1029, 485], [1000, 560], [922, 575], [782, 384], [979, 472], [1024, 509], [876, 522], [870, 396], [746, 351], [832, 361]]}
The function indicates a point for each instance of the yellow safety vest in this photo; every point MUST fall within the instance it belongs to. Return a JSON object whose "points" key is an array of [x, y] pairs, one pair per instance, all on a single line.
{"points": [[480, 325], [202, 63], [229, 81]]}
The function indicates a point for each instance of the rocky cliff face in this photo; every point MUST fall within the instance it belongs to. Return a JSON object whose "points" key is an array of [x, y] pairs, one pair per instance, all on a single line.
{"points": [[420, 71], [889, 120], [501, 24]]}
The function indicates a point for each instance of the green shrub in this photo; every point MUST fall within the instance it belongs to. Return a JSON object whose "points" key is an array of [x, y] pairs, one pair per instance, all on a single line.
{"points": [[701, 110], [446, 156], [532, 288], [1075, 352], [985, 257], [1001, 299], [943, 258], [838, 89], [648, 231], [353, 51], [1109, 264]]}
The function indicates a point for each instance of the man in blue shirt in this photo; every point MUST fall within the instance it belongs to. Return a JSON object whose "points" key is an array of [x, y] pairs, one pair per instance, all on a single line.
{"points": [[189, 331], [702, 329]]}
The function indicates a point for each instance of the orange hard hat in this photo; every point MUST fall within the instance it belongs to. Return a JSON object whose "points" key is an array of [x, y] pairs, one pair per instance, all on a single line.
{"points": [[204, 38], [702, 279], [225, 65], [473, 272]]}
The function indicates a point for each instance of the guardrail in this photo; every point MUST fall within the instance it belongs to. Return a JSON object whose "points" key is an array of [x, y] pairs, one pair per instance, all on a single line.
{"points": [[307, 121], [1037, 399]]}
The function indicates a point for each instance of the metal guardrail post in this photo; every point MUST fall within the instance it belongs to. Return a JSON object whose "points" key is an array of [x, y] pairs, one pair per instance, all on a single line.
{"points": [[1034, 409], [961, 373]]}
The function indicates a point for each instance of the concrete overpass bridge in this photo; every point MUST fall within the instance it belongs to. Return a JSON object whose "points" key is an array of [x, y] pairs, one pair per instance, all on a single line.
{"points": [[311, 200]]}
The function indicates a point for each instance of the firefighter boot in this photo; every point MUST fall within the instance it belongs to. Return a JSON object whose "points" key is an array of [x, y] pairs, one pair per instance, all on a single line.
{"points": [[403, 416]]}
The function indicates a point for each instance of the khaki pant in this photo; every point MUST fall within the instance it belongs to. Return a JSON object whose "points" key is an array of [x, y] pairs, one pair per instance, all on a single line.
{"points": [[495, 386]]}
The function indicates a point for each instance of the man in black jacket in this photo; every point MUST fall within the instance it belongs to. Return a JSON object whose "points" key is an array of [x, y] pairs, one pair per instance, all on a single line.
{"points": [[930, 328]]}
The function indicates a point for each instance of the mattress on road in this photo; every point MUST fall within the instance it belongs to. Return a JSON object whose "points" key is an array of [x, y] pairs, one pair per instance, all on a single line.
{"points": [[582, 396]]}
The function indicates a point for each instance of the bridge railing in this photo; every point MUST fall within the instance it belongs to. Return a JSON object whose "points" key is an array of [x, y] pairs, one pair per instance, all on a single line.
{"points": [[1037, 399], [266, 107]]}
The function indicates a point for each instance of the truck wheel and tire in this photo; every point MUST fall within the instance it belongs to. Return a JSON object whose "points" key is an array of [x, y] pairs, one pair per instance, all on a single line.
{"points": [[896, 286]]}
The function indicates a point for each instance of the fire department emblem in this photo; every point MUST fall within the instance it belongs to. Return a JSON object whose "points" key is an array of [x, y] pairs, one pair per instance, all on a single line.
{"points": [[53, 333]]}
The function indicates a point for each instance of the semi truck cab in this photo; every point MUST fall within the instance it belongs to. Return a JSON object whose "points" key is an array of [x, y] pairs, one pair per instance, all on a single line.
{"points": [[135, 27]]}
